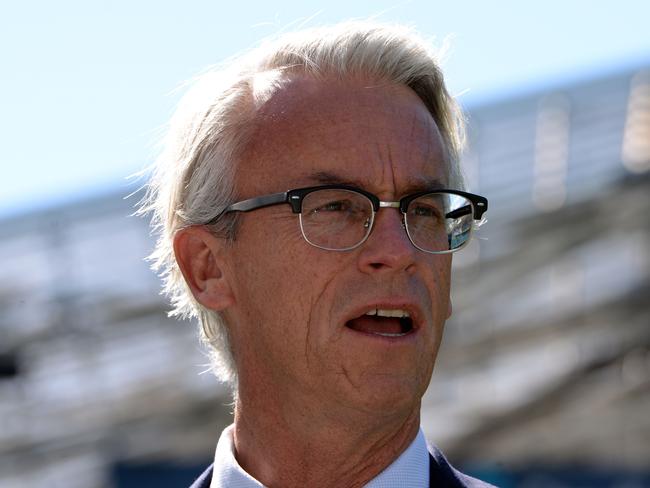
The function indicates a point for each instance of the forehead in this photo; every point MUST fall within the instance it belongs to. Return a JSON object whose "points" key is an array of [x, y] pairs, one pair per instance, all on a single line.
{"points": [[376, 135]]}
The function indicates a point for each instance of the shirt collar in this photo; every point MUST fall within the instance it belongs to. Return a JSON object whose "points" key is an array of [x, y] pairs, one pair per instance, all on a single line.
{"points": [[411, 468], [227, 472]]}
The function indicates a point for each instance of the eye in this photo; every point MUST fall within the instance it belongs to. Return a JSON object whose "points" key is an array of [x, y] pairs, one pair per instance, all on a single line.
{"points": [[334, 206], [339, 204], [423, 210]]}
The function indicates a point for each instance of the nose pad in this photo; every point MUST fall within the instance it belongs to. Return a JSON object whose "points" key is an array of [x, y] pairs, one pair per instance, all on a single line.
{"points": [[402, 219], [390, 249]]}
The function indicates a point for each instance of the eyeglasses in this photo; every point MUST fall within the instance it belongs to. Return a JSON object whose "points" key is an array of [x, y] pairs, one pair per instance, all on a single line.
{"points": [[340, 217]]}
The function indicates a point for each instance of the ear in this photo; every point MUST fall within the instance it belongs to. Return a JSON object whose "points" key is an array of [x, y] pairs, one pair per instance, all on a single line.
{"points": [[201, 258], [449, 308]]}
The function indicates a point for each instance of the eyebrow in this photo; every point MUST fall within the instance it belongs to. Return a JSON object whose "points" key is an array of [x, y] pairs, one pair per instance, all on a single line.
{"points": [[422, 183]]}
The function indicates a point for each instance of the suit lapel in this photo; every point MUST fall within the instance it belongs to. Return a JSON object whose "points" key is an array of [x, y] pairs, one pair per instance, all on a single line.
{"points": [[441, 474], [204, 480]]}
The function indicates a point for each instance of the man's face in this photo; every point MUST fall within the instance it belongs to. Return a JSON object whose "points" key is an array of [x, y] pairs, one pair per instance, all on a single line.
{"points": [[298, 324]]}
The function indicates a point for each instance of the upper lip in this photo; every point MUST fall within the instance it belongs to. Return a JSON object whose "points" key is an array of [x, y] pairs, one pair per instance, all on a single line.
{"points": [[413, 309]]}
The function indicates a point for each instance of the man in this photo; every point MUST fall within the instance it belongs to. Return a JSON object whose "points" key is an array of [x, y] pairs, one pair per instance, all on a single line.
{"points": [[309, 199]]}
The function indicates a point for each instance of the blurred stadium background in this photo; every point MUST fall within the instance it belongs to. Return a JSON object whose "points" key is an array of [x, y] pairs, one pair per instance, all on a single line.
{"points": [[544, 378]]}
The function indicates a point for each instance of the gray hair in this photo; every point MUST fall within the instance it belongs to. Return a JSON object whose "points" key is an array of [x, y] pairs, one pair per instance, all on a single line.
{"points": [[193, 177]]}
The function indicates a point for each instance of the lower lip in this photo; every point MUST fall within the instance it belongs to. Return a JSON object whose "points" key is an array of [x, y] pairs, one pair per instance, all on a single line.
{"points": [[387, 339]]}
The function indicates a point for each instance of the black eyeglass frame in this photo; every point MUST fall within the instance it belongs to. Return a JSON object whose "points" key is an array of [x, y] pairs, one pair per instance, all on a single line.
{"points": [[295, 197]]}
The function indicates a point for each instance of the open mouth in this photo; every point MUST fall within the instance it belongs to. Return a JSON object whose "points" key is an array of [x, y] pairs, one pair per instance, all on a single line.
{"points": [[385, 323]]}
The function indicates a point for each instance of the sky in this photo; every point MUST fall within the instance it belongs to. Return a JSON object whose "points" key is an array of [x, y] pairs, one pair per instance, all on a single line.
{"points": [[87, 86]]}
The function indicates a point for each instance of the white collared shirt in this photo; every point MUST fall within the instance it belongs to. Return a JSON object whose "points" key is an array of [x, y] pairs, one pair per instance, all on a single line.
{"points": [[410, 470]]}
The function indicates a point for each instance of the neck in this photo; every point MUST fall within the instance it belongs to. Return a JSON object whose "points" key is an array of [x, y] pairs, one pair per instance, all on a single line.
{"points": [[287, 448]]}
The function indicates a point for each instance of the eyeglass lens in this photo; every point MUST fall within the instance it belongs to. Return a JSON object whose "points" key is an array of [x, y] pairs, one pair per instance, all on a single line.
{"points": [[338, 219]]}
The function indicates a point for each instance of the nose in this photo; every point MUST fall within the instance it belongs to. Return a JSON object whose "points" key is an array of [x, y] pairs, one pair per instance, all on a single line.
{"points": [[388, 247]]}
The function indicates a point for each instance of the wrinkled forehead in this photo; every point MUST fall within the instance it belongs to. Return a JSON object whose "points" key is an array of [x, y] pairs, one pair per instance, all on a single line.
{"points": [[301, 122]]}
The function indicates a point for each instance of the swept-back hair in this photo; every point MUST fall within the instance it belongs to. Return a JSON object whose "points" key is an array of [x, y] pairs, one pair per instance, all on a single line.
{"points": [[193, 177]]}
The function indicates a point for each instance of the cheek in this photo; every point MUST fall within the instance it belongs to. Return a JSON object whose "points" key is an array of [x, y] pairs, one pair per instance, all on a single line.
{"points": [[278, 276], [440, 286], [285, 318], [443, 272]]}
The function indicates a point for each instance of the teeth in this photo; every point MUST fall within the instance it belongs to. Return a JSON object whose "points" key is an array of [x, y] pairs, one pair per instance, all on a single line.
{"points": [[388, 313], [388, 334]]}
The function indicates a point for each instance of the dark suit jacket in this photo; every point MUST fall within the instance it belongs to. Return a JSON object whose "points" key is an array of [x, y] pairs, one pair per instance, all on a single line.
{"points": [[441, 474]]}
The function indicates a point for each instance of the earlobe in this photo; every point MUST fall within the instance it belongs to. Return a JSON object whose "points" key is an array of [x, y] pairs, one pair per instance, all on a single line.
{"points": [[200, 257]]}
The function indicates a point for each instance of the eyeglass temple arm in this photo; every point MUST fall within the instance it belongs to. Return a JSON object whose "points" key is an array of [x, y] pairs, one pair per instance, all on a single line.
{"points": [[253, 204], [459, 212], [478, 210], [480, 206], [258, 202]]}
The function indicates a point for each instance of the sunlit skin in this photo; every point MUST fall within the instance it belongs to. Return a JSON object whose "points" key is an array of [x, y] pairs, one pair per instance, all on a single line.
{"points": [[320, 404]]}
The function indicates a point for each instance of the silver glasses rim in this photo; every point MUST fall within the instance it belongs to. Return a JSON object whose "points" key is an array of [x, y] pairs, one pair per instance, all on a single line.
{"points": [[448, 251], [387, 204], [365, 237]]}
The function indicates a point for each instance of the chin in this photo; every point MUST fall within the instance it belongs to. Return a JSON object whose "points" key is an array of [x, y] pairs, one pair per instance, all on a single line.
{"points": [[390, 394]]}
